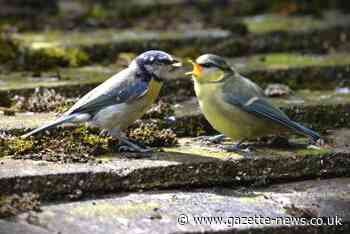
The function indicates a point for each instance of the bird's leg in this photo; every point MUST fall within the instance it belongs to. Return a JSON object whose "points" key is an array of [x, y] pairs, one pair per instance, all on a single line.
{"points": [[130, 145], [217, 139], [213, 139]]}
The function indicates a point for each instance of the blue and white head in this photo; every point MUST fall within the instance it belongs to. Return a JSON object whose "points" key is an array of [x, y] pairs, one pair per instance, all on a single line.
{"points": [[155, 63]]}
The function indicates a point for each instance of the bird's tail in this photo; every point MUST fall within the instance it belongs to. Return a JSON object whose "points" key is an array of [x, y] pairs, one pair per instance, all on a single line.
{"points": [[61, 120], [306, 131]]}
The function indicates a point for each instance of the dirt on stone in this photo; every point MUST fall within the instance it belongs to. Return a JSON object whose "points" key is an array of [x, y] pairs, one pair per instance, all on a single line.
{"points": [[81, 144], [43, 100], [15, 204]]}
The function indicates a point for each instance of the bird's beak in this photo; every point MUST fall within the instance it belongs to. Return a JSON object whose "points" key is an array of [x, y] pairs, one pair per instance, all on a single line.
{"points": [[176, 63], [197, 69]]}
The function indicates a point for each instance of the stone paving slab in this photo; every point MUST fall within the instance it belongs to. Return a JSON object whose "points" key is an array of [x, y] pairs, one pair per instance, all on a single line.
{"points": [[162, 212], [20, 228], [191, 165]]}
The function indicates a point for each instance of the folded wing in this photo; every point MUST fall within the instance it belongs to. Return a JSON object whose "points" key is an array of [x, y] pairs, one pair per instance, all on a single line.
{"points": [[259, 107]]}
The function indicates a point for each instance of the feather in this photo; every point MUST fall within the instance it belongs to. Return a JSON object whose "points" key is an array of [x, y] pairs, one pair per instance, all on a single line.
{"points": [[262, 108]]}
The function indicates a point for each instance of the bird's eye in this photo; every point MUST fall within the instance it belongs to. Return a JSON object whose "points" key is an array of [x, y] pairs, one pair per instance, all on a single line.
{"points": [[207, 65]]}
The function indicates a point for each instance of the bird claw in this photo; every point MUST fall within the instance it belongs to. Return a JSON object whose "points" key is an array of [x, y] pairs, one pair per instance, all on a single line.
{"points": [[238, 149], [104, 133]]}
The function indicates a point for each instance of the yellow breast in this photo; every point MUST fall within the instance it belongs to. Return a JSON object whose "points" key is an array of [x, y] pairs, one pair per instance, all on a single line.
{"points": [[224, 117], [153, 90]]}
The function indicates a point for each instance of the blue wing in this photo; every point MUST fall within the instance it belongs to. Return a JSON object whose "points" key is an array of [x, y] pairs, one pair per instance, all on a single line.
{"points": [[263, 109], [124, 93]]}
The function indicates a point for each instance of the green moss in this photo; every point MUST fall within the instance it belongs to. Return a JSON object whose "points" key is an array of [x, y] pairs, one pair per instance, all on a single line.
{"points": [[66, 81], [151, 134], [18, 146], [256, 199], [48, 58], [314, 152], [270, 23], [80, 144], [101, 209], [276, 61], [8, 49], [202, 152]]}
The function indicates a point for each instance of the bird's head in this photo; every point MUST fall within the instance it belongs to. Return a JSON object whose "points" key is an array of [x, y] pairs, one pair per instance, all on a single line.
{"points": [[155, 63], [209, 68]]}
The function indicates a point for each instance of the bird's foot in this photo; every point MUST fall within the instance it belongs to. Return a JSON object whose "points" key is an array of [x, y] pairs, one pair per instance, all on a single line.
{"points": [[211, 139], [104, 133], [237, 148], [320, 143]]}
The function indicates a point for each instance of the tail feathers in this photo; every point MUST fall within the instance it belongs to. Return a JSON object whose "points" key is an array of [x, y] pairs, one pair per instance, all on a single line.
{"points": [[63, 119], [305, 131]]}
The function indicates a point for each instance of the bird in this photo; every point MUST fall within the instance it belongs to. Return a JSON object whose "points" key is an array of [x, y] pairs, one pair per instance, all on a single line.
{"points": [[235, 106], [125, 97]]}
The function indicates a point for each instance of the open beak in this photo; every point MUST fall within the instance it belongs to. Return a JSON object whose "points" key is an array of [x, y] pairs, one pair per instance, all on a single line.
{"points": [[197, 69]]}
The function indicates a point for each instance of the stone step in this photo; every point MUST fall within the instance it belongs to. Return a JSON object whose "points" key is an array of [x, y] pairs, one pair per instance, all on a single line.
{"points": [[91, 14], [191, 163], [50, 49], [319, 72], [268, 23], [179, 211]]}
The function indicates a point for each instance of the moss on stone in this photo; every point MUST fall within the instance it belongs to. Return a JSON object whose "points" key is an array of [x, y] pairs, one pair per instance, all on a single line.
{"points": [[279, 61], [8, 49], [151, 134], [80, 144], [102, 208], [43, 100], [202, 151], [314, 152], [269, 23], [161, 110], [18, 146], [15, 204], [49, 58]]}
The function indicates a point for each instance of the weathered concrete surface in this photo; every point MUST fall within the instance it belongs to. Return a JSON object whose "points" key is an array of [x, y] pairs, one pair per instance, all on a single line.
{"points": [[277, 23], [20, 228], [188, 165], [159, 212], [23, 121]]}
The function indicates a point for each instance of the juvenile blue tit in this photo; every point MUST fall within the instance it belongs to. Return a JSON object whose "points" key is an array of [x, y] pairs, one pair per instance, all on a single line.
{"points": [[119, 101], [235, 106]]}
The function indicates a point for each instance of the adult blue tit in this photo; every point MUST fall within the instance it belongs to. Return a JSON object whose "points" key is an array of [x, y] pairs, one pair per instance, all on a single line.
{"points": [[119, 101], [235, 106]]}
